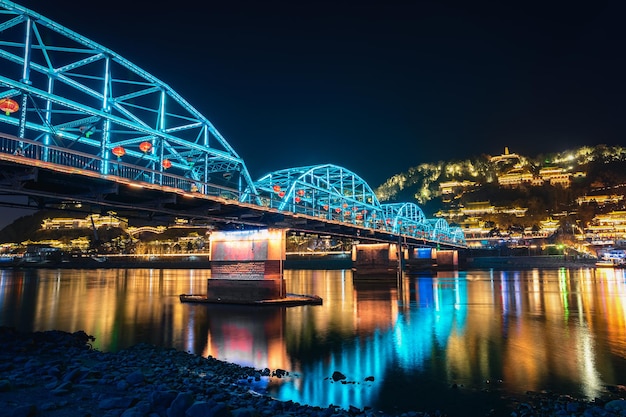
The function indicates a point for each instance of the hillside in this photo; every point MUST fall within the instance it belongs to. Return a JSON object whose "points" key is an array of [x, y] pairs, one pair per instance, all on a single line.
{"points": [[600, 167]]}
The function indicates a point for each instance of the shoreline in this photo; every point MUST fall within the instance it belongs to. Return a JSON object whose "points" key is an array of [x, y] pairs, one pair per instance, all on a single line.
{"points": [[58, 374]]}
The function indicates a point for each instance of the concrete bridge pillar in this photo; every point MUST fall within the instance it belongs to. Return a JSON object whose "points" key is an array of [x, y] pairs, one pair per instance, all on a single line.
{"points": [[421, 259], [446, 259], [376, 258], [247, 265]]}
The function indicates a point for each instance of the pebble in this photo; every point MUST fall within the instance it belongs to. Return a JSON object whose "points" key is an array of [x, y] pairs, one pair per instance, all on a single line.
{"points": [[58, 374]]}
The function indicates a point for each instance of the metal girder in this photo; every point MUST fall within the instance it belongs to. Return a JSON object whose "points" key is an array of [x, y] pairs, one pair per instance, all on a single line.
{"points": [[324, 191], [334, 193], [75, 92]]}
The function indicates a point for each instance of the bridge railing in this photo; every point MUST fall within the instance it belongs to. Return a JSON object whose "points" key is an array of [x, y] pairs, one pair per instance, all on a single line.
{"points": [[66, 157]]}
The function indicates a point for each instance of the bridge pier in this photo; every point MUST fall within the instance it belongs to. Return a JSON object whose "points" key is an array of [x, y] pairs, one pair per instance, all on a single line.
{"points": [[247, 266], [377, 258], [447, 259], [387, 258]]}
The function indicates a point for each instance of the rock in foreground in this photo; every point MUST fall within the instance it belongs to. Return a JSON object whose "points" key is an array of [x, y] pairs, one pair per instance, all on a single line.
{"points": [[58, 374]]}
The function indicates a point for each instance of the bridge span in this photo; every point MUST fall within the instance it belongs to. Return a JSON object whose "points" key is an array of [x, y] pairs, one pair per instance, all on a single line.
{"points": [[81, 125]]}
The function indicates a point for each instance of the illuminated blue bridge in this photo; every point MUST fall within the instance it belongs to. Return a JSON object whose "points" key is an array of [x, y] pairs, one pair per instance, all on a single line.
{"points": [[80, 124]]}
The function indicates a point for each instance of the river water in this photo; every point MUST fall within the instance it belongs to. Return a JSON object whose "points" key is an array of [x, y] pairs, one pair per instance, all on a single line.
{"points": [[450, 341]]}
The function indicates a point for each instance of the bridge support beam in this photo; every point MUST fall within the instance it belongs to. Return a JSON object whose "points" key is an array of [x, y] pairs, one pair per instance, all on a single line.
{"points": [[247, 266]]}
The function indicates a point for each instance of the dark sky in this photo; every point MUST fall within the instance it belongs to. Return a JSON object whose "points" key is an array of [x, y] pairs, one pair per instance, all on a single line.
{"points": [[377, 86]]}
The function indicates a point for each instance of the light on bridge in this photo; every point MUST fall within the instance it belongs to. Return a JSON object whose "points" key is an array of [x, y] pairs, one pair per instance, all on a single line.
{"points": [[9, 106], [118, 151], [145, 147], [166, 164]]}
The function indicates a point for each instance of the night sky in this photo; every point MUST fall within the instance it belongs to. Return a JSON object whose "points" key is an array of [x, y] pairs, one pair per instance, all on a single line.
{"points": [[377, 86]]}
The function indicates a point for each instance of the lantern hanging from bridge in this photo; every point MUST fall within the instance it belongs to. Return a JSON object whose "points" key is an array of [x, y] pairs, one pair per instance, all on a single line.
{"points": [[281, 194], [276, 188], [166, 164], [118, 151], [300, 193], [325, 206], [345, 205], [297, 199], [338, 210], [145, 147], [9, 106], [359, 216]]}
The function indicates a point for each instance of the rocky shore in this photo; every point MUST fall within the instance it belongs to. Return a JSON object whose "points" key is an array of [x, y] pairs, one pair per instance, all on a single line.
{"points": [[58, 374]]}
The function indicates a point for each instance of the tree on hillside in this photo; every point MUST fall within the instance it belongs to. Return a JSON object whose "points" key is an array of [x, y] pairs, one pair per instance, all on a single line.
{"points": [[22, 229]]}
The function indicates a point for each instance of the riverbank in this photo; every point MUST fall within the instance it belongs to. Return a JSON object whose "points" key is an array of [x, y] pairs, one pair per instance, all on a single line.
{"points": [[58, 374]]}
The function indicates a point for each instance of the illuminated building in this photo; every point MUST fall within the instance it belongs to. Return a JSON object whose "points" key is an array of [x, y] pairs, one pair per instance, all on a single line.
{"points": [[556, 176], [608, 227], [451, 187], [599, 199], [505, 157], [515, 177], [88, 222], [478, 208]]}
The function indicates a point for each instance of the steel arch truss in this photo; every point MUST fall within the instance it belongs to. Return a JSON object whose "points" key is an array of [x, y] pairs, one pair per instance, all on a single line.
{"points": [[406, 218], [325, 191], [74, 94], [456, 235], [334, 193]]}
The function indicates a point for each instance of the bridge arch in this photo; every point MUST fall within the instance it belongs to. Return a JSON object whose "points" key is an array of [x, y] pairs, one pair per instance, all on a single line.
{"points": [[327, 191], [406, 218], [74, 93], [457, 236]]}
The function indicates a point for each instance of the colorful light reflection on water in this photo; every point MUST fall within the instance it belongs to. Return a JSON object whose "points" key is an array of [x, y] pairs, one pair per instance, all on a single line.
{"points": [[488, 332]]}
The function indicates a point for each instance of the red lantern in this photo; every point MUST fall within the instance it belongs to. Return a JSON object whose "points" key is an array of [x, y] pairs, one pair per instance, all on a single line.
{"points": [[281, 194], [338, 210], [345, 205], [325, 206], [166, 164], [359, 216], [145, 147], [297, 199], [118, 151], [300, 193], [9, 106], [276, 188]]}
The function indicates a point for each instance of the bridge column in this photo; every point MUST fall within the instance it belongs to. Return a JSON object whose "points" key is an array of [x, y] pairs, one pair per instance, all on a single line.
{"points": [[376, 258], [247, 266], [421, 259], [446, 259]]}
